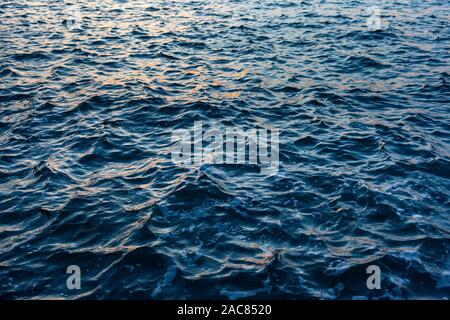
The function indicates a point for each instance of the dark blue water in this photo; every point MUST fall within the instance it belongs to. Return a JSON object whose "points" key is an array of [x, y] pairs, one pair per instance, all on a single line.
{"points": [[87, 109]]}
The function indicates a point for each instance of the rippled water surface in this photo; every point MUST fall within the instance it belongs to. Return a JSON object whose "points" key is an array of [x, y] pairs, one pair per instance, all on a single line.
{"points": [[89, 100]]}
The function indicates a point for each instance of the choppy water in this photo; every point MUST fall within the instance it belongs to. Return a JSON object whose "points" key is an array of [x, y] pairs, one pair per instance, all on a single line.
{"points": [[86, 115]]}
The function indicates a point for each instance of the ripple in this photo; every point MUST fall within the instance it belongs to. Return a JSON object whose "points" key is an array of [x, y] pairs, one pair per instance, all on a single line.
{"points": [[86, 176]]}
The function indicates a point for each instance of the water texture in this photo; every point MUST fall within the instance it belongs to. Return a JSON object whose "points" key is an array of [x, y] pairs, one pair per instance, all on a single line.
{"points": [[89, 100]]}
